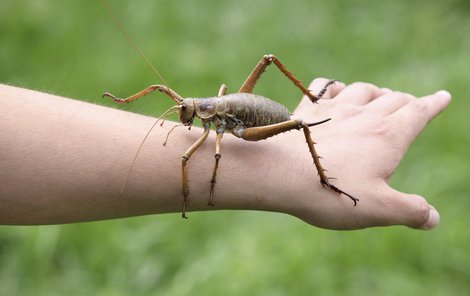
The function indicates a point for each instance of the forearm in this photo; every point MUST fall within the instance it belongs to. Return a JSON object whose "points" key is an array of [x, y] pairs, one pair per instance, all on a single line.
{"points": [[64, 161]]}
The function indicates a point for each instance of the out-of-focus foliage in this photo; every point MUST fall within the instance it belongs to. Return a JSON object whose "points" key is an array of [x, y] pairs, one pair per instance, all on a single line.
{"points": [[73, 48]]}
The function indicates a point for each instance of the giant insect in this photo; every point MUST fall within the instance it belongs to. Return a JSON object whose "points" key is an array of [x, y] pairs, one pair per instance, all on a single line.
{"points": [[246, 115]]}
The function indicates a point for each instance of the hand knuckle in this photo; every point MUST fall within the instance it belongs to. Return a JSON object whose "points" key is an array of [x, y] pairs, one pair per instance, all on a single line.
{"points": [[362, 85], [421, 212]]}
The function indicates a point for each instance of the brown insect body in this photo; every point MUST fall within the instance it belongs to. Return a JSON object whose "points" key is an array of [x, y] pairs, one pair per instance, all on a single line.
{"points": [[247, 116], [235, 112]]}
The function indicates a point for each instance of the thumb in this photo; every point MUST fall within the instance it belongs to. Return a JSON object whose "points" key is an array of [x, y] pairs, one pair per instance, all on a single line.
{"points": [[411, 210]]}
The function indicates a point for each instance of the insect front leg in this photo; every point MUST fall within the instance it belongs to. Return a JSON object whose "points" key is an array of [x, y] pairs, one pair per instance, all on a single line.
{"points": [[267, 60], [184, 172], [264, 132], [162, 88], [222, 90]]}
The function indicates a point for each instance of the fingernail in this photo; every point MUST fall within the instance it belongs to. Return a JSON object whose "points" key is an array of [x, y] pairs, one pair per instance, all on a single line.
{"points": [[444, 93], [433, 219]]}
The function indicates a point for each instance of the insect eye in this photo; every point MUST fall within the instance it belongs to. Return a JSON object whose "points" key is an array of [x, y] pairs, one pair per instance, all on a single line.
{"points": [[183, 107]]}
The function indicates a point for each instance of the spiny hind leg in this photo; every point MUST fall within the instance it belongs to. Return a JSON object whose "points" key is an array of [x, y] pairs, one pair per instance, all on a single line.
{"points": [[264, 132], [220, 133], [162, 88], [267, 60], [324, 180], [184, 170]]}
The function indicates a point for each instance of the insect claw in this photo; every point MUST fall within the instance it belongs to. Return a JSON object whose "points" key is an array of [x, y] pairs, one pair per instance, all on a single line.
{"points": [[116, 99], [107, 94], [330, 82], [339, 191], [183, 211]]}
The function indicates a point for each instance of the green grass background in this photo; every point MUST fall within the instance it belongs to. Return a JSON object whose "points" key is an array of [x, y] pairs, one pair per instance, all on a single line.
{"points": [[73, 48]]}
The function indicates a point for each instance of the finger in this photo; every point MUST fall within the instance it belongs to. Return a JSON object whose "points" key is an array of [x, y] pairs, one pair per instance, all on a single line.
{"points": [[360, 93], [418, 113], [389, 102], [316, 86], [407, 209]]}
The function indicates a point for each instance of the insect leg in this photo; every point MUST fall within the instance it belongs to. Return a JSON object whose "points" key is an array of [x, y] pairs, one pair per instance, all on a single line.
{"points": [[267, 60], [222, 90], [254, 76], [217, 155], [162, 88], [263, 132], [324, 180], [185, 159], [267, 131]]}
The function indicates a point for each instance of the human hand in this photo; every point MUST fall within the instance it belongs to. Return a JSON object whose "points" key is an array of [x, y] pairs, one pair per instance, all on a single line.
{"points": [[370, 131]]}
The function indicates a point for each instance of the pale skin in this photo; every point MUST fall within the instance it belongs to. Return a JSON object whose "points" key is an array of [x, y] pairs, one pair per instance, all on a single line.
{"points": [[64, 161]]}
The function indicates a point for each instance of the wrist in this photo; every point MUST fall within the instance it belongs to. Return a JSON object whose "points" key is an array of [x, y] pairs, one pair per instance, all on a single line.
{"points": [[268, 175]]}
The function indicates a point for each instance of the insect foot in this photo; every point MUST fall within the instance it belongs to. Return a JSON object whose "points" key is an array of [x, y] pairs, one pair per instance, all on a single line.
{"points": [[326, 183], [116, 99], [323, 90], [183, 211]]}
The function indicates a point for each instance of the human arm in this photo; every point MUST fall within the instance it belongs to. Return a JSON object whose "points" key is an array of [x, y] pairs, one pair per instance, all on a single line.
{"points": [[64, 161]]}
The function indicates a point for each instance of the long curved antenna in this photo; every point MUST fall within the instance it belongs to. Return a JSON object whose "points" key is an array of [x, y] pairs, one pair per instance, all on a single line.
{"points": [[130, 40], [167, 112]]}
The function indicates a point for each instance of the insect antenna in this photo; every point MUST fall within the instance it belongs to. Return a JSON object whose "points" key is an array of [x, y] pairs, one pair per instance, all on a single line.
{"points": [[126, 34]]}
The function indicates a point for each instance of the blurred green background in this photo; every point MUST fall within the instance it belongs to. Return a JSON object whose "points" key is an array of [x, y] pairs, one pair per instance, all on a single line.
{"points": [[72, 48]]}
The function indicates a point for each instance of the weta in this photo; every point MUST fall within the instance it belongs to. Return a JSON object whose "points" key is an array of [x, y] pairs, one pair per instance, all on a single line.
{"points": [[246, 115]]}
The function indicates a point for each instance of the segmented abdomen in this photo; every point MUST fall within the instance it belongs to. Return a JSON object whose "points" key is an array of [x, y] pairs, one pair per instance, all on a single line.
{"points": [[253, 110]]}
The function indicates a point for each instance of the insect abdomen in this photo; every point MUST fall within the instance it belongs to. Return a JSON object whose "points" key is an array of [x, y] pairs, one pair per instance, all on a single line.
{"points": [[254, 110]]}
